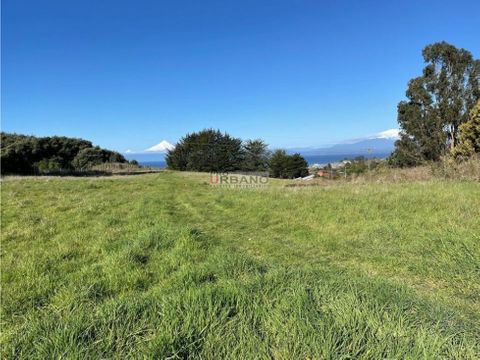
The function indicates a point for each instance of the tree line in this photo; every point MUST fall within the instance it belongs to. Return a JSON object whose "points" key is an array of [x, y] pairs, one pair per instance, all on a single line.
{"points": [[211, 150], [441, 114], [26, 155], [440, 117]]}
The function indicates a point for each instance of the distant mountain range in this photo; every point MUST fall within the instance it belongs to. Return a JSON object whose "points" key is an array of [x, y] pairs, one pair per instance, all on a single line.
{"points": [[377, 145], [364, 147]]}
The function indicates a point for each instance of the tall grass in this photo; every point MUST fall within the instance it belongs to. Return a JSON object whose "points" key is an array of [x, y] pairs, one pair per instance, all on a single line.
{"points": [[165, 266]]}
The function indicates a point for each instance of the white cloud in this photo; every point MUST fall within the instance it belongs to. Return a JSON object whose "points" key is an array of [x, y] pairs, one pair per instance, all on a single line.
{"points": [[128, 151], [161, 147], [387, 134]]}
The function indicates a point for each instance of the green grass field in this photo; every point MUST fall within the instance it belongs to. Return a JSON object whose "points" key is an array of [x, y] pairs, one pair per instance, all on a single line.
{"points": [[166, 266]]}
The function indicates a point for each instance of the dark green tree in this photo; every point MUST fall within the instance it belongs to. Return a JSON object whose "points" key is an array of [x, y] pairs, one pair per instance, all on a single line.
{"points": [[438, 103], [286, 166], [298, 166], [255, 155], [207, 150], [21, 154], [278, 164]]}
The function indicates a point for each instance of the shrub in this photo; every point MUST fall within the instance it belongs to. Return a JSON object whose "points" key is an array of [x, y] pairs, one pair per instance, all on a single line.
{"points": [[89, 157], [286, 166]]}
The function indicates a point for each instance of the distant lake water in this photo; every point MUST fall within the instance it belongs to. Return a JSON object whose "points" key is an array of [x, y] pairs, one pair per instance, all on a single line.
{"points": [[311, 159], [325, 159], [154, 164]]}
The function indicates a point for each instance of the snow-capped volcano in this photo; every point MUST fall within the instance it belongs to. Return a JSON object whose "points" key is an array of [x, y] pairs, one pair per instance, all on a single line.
{"points": [[162, 147]]}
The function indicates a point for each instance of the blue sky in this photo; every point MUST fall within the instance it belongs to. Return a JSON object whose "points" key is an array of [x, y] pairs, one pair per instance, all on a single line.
{"points": [[128, 74]]}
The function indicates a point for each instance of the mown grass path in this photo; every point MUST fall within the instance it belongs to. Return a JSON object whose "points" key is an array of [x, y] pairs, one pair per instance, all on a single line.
{"points": [[166, 266]]}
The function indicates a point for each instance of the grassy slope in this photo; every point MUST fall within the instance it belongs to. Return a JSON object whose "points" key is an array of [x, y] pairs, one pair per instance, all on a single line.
{"points": [[166, 265]]}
